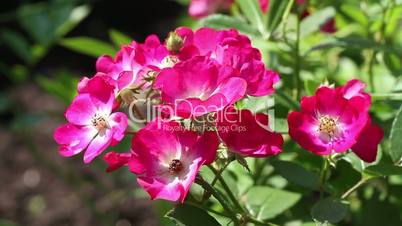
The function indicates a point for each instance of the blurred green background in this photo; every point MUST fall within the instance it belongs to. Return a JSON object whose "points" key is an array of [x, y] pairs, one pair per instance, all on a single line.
{"points": [[46, 46]]}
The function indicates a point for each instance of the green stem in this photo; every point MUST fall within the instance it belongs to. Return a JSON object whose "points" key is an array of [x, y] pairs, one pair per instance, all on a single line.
{"points": [[199, 180], [380, 40], [372, 54], [225, 186], [362, 181], [285, 19], [323, 176], [206, 193], [196, 204], [259, 170], [297, 60]]}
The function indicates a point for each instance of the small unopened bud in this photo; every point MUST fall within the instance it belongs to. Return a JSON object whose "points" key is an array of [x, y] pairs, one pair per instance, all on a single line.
{"points": [[126, 96], [174, 42]]}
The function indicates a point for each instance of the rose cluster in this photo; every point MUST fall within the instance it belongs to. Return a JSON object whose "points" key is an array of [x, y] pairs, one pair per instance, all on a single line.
{"points": [[195, 76]]}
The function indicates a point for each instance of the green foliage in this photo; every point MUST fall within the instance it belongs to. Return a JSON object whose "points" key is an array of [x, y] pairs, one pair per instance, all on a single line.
{"points": [[314, 22], [253, 13], [187, 215], [296, 174], [329, 211], [266, 203], [279, 8], [88, 46], [219, 21], [395, 138], [119, 38], [63, 85]]}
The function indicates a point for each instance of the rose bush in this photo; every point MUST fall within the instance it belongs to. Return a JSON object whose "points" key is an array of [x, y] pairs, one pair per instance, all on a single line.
{"points": [[196, 107]]}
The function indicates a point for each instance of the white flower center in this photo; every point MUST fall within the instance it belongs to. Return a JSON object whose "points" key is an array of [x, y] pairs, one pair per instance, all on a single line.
{"points": [[169, 61], [328, 125], [100, 122]]}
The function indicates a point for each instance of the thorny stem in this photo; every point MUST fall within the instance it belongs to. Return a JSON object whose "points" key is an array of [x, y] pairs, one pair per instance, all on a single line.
{"points": [[245, 217], [199, 180], [362, 181], [206, 194], [225, 186]]}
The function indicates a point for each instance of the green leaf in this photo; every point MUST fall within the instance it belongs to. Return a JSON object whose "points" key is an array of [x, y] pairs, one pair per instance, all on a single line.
{"points": [[119, 38], [296, 174], [78, 14], [314, 22], [311, 86], [219, 21], [18, 44], [259, 104], [281, 125], [356, 43], [88, 46], [393, 21], [41, 20], [395, 138], [276, 11], [355, 14], [393, 63], [384, 170], [161, 209], [5, 103], [253, 13], [329, 211], [62, 85], [266, 203], [188, 215]]}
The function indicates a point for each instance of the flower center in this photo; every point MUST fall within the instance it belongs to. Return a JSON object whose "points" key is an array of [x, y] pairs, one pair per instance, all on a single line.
{"points": [[170, 61], [175, 166], [99, 122], [328, 125]]}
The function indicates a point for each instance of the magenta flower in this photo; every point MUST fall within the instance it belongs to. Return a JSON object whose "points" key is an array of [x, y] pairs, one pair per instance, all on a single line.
{"points": [[371, 135], [91, 124], [168, 158], [199, 86], [116, 160], [233, 50], [134, 62], [202, 8], [264, 4], [335, 120], [248, 134]]}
